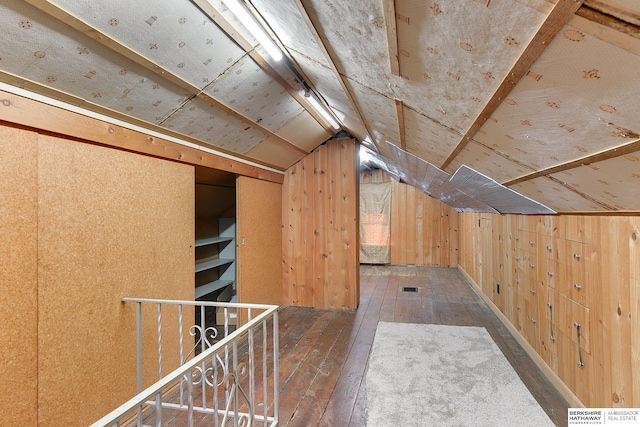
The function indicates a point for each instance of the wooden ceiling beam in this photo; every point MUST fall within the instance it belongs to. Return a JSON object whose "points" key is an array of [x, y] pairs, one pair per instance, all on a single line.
{"points": [[620, 150], [557, 18], [389, 7], [54, 94], [53, 10], [55, 119]]}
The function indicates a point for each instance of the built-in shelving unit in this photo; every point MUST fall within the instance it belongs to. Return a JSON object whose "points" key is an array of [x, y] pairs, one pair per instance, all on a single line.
{"points": [[215, 264]]}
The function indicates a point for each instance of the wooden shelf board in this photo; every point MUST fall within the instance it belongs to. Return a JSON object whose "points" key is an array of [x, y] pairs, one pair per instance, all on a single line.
{"points": [[211, 287], [208, 263], [212, 241]]}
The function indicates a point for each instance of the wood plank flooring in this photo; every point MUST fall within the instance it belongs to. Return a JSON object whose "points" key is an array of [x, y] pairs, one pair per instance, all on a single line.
{"points": [[324, 353]]}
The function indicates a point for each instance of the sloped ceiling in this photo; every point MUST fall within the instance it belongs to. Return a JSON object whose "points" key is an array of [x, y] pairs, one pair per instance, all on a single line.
{"points": [[540, 96]]}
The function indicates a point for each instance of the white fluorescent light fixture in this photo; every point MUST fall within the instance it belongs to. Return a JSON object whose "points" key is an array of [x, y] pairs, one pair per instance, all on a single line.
{"points": [[256, 30], [320, 109]]}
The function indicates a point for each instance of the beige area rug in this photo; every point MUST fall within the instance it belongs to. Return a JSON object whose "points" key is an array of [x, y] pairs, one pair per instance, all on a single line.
{"points": [[438, 375]]}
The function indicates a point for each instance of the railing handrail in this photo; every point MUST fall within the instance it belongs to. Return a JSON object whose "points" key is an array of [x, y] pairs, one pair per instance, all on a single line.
{"points": [[154, 389], [201, 303]]}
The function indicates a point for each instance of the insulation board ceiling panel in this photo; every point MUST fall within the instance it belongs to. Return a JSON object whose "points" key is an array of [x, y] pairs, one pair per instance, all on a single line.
{"points": [[52, 54], [175, 35], [355, 37], [199, 119], [576, 100], [458, 52], [247, 89], [615, 182], [377, 111], [427, 138], [304, 131], [274, 152], [555, 195], [489, 162]]}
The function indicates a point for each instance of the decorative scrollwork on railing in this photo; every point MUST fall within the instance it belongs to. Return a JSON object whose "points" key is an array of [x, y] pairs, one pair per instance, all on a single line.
{"points": [[209, 335], [198, 373], [232, 385]]}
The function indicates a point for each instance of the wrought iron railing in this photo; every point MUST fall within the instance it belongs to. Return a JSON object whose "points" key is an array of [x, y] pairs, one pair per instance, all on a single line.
{"points": [[227, 370]]}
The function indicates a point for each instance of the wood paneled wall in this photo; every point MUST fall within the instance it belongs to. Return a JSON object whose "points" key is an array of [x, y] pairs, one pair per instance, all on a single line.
{"points": [[85, 226], [320, 228], [555, 273], [424, 231]]}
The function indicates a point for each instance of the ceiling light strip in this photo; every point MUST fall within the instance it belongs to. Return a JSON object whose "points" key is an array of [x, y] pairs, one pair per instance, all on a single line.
{"points": [[323, 111], [75, 109], [254, 28]]}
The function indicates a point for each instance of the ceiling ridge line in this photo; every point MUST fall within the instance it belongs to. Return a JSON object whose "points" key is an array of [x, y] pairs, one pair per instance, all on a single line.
{"points": [[609, 153], [332, 65], [227, 27], [562, 11], [149, 65]]}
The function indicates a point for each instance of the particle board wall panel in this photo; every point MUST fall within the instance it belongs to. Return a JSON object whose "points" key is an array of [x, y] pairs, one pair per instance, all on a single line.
{"points": [[259, 241], [322, 224], [111, 224], [18, 276]]}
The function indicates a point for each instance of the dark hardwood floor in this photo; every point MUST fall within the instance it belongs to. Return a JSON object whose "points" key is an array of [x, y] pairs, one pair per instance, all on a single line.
{"points": [[324, 353]]}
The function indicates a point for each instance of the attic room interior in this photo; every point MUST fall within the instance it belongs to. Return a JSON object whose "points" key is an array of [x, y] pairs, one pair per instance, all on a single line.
{"points": [[222, 152]]}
